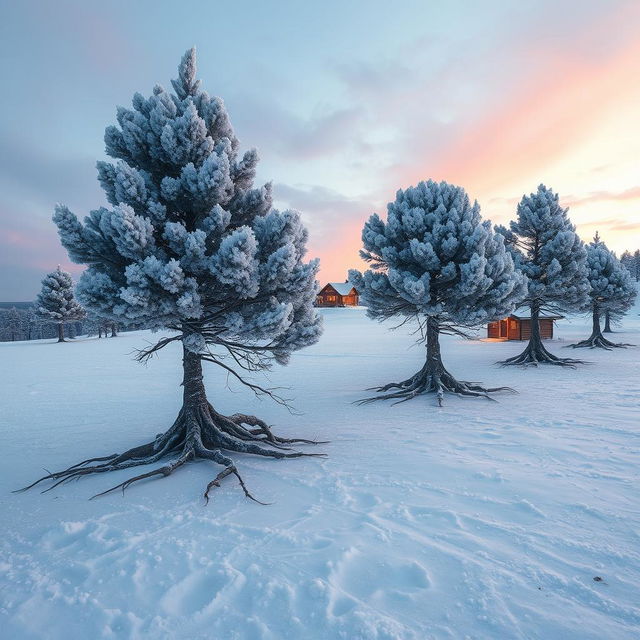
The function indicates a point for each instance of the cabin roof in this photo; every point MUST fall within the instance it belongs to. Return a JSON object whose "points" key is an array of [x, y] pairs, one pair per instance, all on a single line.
{"points": [[343, 288], [541, 316]]}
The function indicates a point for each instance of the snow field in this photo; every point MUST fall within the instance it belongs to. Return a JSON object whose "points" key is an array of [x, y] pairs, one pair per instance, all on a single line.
{"points": [[478, 520]]}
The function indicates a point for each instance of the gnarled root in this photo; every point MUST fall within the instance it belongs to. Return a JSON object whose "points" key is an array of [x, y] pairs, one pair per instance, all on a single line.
{"points": [[599, 342], [199, 432], [536, 354], [438, 382]]}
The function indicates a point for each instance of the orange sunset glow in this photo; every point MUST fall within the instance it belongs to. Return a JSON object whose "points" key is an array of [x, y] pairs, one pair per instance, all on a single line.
{"points": [[571, 124]]}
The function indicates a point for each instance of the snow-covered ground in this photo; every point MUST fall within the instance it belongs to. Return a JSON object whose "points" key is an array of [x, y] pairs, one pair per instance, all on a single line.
{"points": [[477, 520]]}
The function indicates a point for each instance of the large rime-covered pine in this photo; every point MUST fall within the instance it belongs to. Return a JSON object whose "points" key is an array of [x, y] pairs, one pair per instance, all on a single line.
{"points": [[188, 244], [612, 291], [56, 303], [547, 249], [435, 261]]}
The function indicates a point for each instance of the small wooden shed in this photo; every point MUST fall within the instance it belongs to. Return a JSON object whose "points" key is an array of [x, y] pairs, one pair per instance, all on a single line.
{"points": [[337, 294], [518, 327]]}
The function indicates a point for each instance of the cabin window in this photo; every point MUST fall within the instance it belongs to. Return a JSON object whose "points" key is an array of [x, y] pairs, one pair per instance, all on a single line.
{"points": [[331, 298]]}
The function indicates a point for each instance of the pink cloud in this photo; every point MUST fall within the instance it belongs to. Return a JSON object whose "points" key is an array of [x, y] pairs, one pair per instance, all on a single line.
{"points": [[34, 248], [604, 196]]}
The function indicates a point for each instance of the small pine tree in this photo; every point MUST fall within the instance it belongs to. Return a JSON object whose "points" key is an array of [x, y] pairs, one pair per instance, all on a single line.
{"points": [[92, 325], [97, 325], [437, 262], [626, 259], [626, 292], [612, 291], [190, 245], [56, 303], [632, 262], [547, 249]]}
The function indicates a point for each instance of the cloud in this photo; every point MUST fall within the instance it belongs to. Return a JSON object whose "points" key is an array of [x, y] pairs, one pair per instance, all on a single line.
{"points": [[372, 81], [537, 123], [28, 250], [488, 98], [281, 131], [625, 225], [604, 196], [335, 224], [485, 112], [327, 205], [611, 224], [31, 183], [44, 178]]}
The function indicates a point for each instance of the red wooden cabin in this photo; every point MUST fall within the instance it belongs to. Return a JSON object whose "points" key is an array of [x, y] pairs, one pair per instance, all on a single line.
{"points": [[518, 327], [337, 294]]}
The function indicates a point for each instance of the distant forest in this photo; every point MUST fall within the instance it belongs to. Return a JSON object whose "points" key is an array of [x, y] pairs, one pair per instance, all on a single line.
{"points": [[18, 320]]}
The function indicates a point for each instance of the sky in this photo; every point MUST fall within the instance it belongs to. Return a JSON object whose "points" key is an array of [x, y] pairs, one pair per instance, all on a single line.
{"points": [[346, 102]]}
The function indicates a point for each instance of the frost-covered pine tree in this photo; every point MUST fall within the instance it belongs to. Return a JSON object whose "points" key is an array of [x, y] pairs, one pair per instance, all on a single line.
{"points": [[56, 303], [98, 325], [632, 262], [14, 325], [93, 325], [627, 260], [435, 261], [636, 265], [609, 320], [612, 290], [547, 249], [189, 244], [32, 324], [613, 318]]}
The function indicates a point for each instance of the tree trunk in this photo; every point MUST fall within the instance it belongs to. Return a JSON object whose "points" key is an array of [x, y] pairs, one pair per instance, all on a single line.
{"points": [[432, 378], [194, 395], [113, 331], [199, 431], [61, 332], [535, 352], [595, 331], [607, 323], [535, 325], [596, 339], [434, 366]]}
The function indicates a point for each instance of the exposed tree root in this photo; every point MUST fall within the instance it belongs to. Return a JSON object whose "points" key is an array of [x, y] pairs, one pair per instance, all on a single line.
{"points": [[599, 341], [535, 354], [596, 340], [439, 381], [199, 432]]}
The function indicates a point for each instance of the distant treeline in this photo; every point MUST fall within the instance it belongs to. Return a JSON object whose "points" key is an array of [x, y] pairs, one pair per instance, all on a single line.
{"points": [[18, 321], [632, 262]]}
